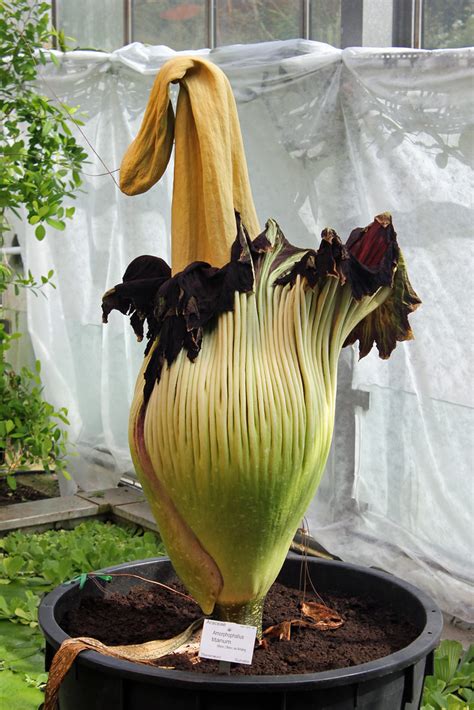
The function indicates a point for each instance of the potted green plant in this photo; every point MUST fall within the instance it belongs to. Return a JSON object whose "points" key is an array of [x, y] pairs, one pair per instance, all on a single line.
{"points": [[233, 413], [102, 680], [39, 171]]}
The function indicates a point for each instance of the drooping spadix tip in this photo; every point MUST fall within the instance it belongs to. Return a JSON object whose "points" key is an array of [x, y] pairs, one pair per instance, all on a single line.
{"points": [[210, 170]]}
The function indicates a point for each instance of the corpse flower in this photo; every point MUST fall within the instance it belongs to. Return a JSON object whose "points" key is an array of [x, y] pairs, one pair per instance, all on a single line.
{"points": [[233, 413]]}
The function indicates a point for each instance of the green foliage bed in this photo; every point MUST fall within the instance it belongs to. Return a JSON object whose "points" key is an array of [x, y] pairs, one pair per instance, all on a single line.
{"points": [[452, 685], [32, 564]]}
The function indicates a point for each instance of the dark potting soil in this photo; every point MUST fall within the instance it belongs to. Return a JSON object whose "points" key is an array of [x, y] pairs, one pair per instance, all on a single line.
{"points": [[370, 631], [21, 494]]}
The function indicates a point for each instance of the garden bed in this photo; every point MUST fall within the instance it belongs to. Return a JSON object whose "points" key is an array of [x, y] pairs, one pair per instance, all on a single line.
{"points": [[29, 487], [32, 564], [21, 494]]}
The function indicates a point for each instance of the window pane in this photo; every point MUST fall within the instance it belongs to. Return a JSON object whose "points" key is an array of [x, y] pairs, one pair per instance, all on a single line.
{"points": [[326, 21], [377, 23], [448, 23], [245, 21], [174, 23], [94, 25]]}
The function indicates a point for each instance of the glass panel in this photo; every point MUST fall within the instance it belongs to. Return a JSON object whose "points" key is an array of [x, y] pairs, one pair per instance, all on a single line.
{"points": [[326, 21], [92, 24], [377, 28], [245, 21], [176, 24], [448, 23]]}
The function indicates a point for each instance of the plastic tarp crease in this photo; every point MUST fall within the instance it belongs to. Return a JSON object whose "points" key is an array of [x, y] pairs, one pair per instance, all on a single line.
{"points": [[332, 138]]}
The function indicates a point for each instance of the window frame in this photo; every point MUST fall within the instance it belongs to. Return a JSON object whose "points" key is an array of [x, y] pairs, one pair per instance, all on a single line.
{"points": [[407, 22], [351, 20]]}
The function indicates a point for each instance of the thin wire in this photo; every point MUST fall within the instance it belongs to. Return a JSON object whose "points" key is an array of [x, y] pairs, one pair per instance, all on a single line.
{"points": [[305, 559], [109, 172], [100, 174], [308, 575], [300, 583], [152, 581], [67, 114], [97, 584]]}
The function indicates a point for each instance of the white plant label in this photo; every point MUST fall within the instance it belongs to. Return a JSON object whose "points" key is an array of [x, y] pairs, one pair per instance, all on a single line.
{"points": [[225, 641]]}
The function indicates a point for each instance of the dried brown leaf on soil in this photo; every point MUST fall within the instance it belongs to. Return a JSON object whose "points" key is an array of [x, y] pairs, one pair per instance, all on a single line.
{"points": [[142, 653], [322, 618]]}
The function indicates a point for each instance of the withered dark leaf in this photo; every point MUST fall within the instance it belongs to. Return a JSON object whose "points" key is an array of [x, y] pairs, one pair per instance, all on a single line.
{"points": [[373, 254], [180, 309], [388, 324], [331, 259], [135, 295], [190, 302]]}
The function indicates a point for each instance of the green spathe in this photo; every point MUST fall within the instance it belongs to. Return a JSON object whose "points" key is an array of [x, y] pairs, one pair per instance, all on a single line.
{"points": [[231, 443]]}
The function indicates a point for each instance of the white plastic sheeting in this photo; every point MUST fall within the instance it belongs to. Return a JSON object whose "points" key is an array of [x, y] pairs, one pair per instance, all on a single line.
{"points": [[332, 138]]}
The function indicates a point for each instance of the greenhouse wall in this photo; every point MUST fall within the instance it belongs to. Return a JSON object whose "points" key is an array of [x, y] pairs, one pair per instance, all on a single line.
{"points": [[333, 137]]}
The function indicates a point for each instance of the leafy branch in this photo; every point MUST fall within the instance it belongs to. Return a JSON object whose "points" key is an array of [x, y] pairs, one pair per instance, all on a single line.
{"points": [[40, 160]]}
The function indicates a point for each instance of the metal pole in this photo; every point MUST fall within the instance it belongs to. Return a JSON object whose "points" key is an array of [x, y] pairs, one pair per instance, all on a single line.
{"points": [[306, 19], [127, 22], [54, 21], [417, 24], [211, 23]]}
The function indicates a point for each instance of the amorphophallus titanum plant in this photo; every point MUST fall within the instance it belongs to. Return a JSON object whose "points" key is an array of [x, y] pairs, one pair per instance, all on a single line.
{"points": [[233, 412]]}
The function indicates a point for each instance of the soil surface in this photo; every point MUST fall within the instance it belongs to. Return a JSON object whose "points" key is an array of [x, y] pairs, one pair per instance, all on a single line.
{"points": [[29, 486], [20, 495], [148, 613]]}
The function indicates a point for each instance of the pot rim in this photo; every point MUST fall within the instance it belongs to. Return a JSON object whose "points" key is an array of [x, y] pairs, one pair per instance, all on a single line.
{"points": [[419, 648]]}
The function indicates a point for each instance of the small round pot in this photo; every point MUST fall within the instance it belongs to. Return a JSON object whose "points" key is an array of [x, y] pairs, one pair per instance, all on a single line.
{"points": [[394, 682]]}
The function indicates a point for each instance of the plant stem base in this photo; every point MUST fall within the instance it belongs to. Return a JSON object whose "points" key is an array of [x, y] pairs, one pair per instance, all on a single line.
{"points": [[250, 613]]}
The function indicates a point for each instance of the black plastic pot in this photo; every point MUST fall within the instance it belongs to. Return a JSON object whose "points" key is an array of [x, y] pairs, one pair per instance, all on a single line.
{"points": [[394, 682]]}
